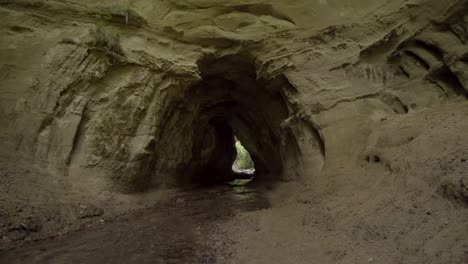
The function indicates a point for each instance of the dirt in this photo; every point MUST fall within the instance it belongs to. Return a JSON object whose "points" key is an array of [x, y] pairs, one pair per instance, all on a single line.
{"points": [[229, 224], [183, 229]]}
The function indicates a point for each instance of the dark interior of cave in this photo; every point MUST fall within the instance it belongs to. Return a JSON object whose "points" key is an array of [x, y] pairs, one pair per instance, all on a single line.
{"points": [[231, 101]]}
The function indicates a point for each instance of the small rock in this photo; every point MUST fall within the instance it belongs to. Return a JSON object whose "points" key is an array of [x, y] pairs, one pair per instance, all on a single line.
{"points": [[31, 226], [90, 211], [16, 235], [303, 201], [208, 259]]}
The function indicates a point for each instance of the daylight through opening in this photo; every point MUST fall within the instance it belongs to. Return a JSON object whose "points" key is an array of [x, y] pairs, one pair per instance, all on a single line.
{"points": [[243, 166]]}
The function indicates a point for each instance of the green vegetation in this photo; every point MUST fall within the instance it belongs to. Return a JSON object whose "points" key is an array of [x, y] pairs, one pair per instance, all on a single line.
{"points": [[108, 38], [122, 14], [109, 25], [243, 160], [117, 12]]}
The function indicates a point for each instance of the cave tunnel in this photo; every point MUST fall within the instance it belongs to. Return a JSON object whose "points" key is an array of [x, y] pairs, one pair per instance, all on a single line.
{"points": [[229, 103]]}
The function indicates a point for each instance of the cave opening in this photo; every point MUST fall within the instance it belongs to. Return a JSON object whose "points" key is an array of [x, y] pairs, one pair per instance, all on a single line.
{"points": [[243, 167], [243, 160], [230, 105]]}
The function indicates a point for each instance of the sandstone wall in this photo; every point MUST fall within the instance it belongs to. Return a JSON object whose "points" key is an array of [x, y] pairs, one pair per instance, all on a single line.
{"points": [[121, 94]]}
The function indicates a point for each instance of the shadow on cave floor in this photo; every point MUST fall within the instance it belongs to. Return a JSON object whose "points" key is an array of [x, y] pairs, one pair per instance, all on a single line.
{"points": [[182, 229]]}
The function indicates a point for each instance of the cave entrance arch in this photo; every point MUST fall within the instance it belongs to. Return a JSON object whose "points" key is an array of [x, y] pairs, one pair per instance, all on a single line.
{"points": [[228, 102]]}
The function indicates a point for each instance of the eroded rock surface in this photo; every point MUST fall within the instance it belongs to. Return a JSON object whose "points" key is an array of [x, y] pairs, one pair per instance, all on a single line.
{"points": [[358, 105]]}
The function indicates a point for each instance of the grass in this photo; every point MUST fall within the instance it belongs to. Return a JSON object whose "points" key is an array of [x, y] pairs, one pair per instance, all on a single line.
{"points": [[108, 38], [243, 160], [122, 14]]}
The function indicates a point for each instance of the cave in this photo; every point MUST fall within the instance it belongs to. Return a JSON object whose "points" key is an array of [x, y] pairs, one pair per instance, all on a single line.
{"points": [[121, 124], [228, 102]]}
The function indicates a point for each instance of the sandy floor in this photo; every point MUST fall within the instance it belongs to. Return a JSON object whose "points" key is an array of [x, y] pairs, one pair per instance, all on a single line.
{"points": [[238, 225]]}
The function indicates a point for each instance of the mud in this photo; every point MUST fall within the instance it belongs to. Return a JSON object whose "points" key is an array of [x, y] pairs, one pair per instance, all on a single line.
{"points": [[183, 229]]}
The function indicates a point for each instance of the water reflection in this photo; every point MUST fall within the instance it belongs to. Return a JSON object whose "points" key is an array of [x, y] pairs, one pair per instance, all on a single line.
{"points": [[245, 197]]}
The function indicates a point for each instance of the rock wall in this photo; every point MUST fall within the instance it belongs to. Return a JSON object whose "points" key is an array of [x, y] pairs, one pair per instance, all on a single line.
{"points": [[133, 95]]}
